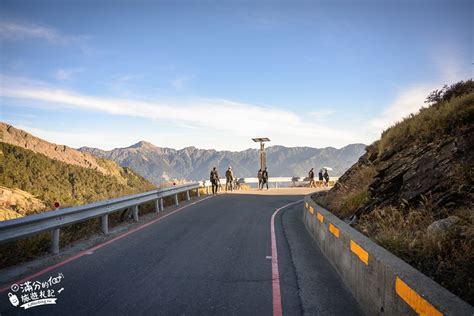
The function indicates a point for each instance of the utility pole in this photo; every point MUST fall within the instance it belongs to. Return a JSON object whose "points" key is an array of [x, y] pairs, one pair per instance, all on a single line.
{"points": [[263, 155]]}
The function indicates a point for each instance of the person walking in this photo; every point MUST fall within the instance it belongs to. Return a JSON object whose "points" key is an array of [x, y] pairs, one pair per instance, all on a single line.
{"points": [[229, 177], [320, 177], [265, 178], [326, 177], [214, 177], [259, 176], [311, 178]]}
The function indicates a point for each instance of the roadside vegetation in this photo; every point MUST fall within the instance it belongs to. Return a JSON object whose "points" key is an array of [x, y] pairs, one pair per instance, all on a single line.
{"points": [[412, 192], [53, 181], [31, 183]]}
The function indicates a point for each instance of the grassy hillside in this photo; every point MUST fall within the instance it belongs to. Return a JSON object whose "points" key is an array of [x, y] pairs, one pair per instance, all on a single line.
{"points": [[51, 180], [412, 192]]}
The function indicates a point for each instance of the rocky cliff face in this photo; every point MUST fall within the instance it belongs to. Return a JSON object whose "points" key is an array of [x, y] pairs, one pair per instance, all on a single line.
{"points": [[434, 164], [440, 170], [162, 164], [20, 138], [412, 192]]}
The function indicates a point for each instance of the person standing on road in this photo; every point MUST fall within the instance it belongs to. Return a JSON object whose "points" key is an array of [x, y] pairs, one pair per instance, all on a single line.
{"points": [[265, 178], [311, 178], [259, 176], [320, 176], [214, 178], [229, 177], [326, 177]]}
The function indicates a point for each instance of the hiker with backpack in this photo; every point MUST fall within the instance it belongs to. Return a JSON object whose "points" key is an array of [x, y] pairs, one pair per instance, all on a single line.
{"points": [[265, 178], [326, 177], [229, 176], [312, 184], [214, 178], [259, 176]]}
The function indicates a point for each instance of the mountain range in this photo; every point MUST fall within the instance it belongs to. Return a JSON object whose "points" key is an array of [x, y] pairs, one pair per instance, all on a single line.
{"points": [[160, 165]]}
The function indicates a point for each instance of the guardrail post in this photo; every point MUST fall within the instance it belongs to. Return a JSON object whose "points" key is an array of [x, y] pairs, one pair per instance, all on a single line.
{"points": [[135, 213], [157, 205], [197, 192], [55, 241], [162, 207], [176, 201], [104, 220], [207, 190], [187, 195]]}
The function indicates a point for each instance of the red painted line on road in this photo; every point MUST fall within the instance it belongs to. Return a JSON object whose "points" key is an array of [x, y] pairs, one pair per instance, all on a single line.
{"points": [[84, 252], [277, 309]]}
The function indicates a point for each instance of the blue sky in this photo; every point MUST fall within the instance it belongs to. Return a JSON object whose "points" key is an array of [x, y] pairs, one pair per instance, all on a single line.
{"points": [[215, 74]]}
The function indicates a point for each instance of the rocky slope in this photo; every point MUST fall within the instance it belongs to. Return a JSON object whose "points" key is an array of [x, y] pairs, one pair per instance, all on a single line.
{"points": [[31, 180], [16, 203], [413, 190], [18, 137], [163, 164]]}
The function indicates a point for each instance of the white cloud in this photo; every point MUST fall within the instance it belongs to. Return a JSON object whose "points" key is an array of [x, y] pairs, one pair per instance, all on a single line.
{"points": [[14, 30], [78, 139], [322, 114], [408, 101], [21, 30], [227, 119], [67, 74]]}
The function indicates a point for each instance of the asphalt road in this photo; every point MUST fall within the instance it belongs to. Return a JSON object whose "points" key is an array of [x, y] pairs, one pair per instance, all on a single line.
{"points": [[213, 257]]}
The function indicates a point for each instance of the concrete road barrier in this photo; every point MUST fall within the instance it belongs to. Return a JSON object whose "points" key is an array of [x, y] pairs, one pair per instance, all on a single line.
{"points": [[382, 283]]}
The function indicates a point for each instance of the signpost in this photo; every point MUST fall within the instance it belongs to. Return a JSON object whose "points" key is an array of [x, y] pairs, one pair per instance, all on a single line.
{"points": [[263, 156]]}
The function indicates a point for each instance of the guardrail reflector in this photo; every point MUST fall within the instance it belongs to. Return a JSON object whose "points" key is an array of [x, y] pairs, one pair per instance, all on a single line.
{"points": [[334, 230], [360, 252], [414, 300], [306, 205], [320, 217], [311, 210]]}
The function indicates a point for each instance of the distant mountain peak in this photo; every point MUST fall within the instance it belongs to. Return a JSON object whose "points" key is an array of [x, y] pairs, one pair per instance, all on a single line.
{"points": [[143, 144]]}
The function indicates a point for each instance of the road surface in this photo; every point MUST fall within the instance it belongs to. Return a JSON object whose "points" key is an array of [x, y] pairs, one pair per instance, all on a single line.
{"points": [[212, 257]]}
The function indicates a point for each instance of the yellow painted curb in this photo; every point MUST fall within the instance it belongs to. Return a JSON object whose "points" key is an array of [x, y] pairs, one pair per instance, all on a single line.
{"points": [[418, 303], [334, 230], [320, 217], [360, 252]]}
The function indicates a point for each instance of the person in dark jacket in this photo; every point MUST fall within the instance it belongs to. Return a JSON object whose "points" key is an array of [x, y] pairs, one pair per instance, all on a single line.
{"points": [[229, 176], [265, 178], [311, 178], [326, 177], [320, 177], [259, 176], [214, 178]]}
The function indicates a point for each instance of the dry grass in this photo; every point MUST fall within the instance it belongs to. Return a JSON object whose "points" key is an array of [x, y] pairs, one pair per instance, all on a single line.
{"points": [[352, 202], [430, 122], [446, 258], [344, 201]]}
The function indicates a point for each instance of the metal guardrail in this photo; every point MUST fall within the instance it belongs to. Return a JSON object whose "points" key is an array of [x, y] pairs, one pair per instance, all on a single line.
{"points": [[53, 220]]}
